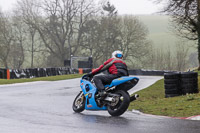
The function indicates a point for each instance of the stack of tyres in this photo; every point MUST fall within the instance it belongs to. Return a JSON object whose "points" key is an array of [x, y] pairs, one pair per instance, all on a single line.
{"points": [[3, 73], [172, 84], [189, 82]]}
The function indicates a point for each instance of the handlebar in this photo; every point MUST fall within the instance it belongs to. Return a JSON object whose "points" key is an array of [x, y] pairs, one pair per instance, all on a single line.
{"points": [[86, 77]]}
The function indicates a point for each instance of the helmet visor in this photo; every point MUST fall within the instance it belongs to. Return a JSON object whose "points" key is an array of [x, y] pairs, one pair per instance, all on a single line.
{"points": [[119, 55]]}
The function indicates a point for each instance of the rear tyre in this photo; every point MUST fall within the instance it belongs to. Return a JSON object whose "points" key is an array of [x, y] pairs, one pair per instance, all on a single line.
{"points": [[79, 103], [120, 105]]}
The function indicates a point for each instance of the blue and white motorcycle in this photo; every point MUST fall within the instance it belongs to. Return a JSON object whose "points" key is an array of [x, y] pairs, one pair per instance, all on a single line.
{"points": [[116, 101]]}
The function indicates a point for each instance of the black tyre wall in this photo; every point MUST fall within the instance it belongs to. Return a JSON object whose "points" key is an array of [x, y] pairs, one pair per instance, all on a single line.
{"points": [[172, 84], [175, 75], [189, 75], [189, 82], [180, 83]]}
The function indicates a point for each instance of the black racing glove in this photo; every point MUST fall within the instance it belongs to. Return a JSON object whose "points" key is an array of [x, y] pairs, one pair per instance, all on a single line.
{"points": [[89, 75]]}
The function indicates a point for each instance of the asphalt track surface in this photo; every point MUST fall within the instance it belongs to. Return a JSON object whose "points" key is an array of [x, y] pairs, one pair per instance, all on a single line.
{"points": [[46, 107]]}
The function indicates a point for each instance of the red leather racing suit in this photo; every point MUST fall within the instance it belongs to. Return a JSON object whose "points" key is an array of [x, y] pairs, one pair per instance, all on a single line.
{"points": [[116, 68]]}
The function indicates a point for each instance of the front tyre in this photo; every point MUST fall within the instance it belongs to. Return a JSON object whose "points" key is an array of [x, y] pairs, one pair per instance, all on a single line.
{"points": [[79, 103], [120, 103]]}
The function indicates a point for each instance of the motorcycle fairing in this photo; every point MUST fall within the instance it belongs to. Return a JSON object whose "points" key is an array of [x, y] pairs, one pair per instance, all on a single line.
{"points": [[89, 91]]}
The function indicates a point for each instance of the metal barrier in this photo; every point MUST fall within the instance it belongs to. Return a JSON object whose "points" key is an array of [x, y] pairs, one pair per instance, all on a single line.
{"points": [[148, 72], [43, 72]]}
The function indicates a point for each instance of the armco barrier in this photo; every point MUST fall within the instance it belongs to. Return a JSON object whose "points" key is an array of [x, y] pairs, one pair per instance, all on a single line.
{"points": [[43, 72], [148, 72], [34, 72]]}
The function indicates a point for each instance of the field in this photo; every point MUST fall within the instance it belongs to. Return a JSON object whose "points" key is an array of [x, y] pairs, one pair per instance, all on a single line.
{"points": [[160, 33]]}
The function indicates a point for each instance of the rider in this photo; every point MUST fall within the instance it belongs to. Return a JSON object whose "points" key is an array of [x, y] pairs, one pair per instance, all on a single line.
{"points": [[116, 68]]}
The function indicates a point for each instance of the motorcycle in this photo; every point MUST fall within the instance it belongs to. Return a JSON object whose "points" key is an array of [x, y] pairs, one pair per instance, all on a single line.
{"points": [[117, 98]]}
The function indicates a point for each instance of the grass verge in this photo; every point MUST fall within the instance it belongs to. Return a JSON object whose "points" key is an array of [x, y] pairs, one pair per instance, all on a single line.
{"points": [[51, 78], [152, 101]]}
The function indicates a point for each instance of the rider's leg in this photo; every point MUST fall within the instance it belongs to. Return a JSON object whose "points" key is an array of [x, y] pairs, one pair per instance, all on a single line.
{"points": [[98, 82], [101, 80]]}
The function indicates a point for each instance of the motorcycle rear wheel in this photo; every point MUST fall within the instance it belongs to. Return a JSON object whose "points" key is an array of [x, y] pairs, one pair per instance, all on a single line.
{"points": [[122, 104], [79, 103]]}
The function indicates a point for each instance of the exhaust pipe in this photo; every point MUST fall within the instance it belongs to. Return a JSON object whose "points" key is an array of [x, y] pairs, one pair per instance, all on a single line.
{"points": [[134, 97]]}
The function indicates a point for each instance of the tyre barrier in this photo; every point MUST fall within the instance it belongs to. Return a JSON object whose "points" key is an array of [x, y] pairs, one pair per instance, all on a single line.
{"points": [[180, 83], [172, 84], [34, 72], [189, 82], [3, 73]]}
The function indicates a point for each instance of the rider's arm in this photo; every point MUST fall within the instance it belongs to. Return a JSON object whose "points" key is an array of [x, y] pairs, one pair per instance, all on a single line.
{"points": [[98, 70]]}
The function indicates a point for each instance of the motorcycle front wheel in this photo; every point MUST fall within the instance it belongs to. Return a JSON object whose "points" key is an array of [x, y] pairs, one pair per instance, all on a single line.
{"points": [[79, 103], [120, 103]]}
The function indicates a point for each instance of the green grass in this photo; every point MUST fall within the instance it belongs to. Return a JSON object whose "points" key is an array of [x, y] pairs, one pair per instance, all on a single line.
{"points": [[152, 101], [51, 78], [160, 33]]}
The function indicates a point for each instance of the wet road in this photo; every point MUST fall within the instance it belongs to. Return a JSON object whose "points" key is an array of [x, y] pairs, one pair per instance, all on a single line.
{"points": [[45, 107]]}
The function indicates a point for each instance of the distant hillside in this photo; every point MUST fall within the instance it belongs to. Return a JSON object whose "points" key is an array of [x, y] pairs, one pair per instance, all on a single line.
{"points": [[155, 23], [163, 38], [159, 32]]}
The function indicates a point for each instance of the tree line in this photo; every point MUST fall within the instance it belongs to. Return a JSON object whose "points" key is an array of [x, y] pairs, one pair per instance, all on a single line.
{"points": [[44, 33], [185, 18]]}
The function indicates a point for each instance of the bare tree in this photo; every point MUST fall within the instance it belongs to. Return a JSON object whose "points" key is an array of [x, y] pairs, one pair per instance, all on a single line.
{"points": [[161, 59], [59, 23], [169, 60], [126, 33], [133, 38], [6, 38], [32, 33], [181, 56], [193, 60], [93, 40], [186, 15], [19, 38], [110, 30]]}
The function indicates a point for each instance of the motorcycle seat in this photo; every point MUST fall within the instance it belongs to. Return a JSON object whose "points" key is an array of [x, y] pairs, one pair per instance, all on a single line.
{"points": [[121, 80]]}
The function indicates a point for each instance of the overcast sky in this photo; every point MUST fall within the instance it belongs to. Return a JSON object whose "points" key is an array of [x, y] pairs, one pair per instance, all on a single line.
{"points": [[136, 6], [123, 6]]}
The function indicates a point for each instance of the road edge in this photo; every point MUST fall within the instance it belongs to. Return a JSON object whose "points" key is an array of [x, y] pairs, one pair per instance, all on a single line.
{"points": [[196, 117]]}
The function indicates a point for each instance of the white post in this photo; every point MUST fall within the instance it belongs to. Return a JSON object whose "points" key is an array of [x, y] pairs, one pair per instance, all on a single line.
{"points": [[71, 61]]}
